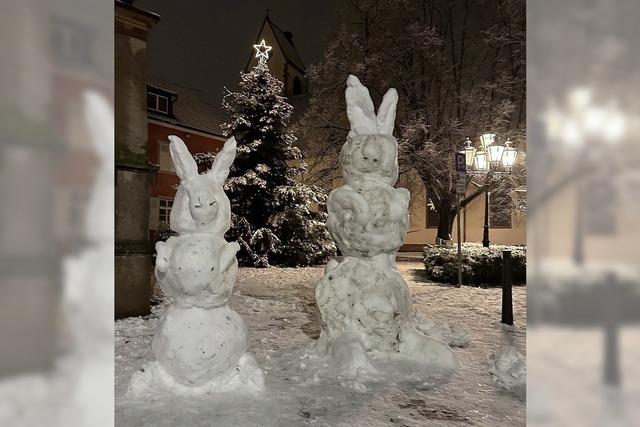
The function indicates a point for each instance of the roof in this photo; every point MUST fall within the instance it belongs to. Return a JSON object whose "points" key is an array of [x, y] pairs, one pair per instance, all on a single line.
{"points": [[191, 109], [128, 4], [286, 45]]}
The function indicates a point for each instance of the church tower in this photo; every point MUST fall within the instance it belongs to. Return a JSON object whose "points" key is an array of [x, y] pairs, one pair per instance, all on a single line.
{"points": [[284, 61]]}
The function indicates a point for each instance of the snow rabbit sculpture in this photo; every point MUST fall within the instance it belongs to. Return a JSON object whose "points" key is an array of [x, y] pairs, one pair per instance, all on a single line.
{"points": [[363, 300], [201, 343]]}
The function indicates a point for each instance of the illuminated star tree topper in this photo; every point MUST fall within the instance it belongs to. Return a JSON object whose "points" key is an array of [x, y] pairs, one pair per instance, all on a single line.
{"points": [[262, 51]]}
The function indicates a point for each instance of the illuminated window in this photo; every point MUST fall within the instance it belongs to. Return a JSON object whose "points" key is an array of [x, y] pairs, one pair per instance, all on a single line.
{"points": [[433, 218], [164, 157], [164, 212], [70, 42]]}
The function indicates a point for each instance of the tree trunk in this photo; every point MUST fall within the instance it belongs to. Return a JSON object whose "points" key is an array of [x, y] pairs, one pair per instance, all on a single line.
{"points": [[445, 224]]}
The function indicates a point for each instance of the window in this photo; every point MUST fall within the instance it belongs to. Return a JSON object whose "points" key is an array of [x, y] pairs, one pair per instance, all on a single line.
{"points": [[297, 86], [159, 103], [500, 207], [598, 201], [164, 157], [433, 218], [70, 42], [164, 212]]}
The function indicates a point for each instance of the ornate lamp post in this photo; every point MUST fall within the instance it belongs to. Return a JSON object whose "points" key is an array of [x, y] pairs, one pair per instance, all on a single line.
{"points": [[491, 159], [584, 128]]}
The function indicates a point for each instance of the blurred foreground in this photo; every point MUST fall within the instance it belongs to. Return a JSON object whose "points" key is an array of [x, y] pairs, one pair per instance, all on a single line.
{"points": [[583, 203], [56, 214]]}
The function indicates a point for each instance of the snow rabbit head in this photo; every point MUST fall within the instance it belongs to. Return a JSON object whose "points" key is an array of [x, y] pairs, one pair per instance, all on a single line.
{"points": [[201, 206], [371, 151]]}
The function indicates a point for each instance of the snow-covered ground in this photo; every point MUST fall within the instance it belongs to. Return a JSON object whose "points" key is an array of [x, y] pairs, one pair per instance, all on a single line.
{"points": [[566, 371], [279, 309]]}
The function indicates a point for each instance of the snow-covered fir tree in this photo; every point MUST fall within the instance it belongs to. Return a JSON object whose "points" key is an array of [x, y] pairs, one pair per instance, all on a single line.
{"points": [[276, 218]]}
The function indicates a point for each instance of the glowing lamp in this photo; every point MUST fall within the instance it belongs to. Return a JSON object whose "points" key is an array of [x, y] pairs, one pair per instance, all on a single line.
{"points": [[481, 161], [469, 152], [509, 156], [495, 152], [486, 140]]}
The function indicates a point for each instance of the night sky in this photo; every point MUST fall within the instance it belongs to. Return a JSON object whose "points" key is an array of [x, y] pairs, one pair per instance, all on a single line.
{"points": [[204, 44]]}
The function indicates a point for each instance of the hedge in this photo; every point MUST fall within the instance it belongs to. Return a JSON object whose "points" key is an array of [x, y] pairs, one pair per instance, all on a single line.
{"points": [[480, 265]]}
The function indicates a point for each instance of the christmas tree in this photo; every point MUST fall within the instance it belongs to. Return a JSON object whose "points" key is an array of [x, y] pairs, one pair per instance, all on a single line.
{"points": [[277, 220]]}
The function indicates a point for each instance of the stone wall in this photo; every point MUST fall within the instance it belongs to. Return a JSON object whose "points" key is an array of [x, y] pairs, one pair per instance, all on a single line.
{"points": [[133, 251]]}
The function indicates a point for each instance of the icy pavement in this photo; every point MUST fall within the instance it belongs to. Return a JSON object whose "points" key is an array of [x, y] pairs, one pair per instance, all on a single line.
{"points": [[278, 306]]}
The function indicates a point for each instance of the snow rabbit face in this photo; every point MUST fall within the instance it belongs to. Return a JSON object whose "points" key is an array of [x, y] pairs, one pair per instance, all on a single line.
{"points": [[370, 157], [371, 151], [201, 205]]}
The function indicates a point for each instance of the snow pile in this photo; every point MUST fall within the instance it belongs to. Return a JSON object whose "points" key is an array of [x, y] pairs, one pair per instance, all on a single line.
{"points": [[201, 343], [154, 381], [509, 369], [453, 334], [363, 300]]}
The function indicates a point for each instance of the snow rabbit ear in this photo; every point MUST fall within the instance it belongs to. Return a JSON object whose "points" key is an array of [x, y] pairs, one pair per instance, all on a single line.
{"points": [[360, 112], [220, 168], [184, 162], [387, 112]]}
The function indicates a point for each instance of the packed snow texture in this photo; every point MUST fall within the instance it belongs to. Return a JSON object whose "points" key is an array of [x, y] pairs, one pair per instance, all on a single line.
{"points": [[201, 343], [509, 368], [363, 299], [302, 388]]}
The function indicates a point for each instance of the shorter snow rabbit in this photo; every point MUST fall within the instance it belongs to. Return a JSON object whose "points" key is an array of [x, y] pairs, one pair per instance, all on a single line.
{"points": [[201, 343]]}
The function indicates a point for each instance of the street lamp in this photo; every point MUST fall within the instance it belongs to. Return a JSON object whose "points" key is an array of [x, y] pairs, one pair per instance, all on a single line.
{"points": [[582, 126], [492, 157], [509, 156], [480, 161], [469, 153], [486, 140], [495, 153]]}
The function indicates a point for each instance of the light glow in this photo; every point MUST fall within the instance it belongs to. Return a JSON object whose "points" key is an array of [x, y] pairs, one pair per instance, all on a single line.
{"points": [[509, 156], [481, 161], [486, 140], [615, 126], [495, 152], [262, 50], [469, 152]]}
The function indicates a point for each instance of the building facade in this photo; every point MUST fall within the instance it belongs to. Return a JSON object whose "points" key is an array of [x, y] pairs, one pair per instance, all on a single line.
{"points": [[507, 225], [134, 252], [174, 109]]}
